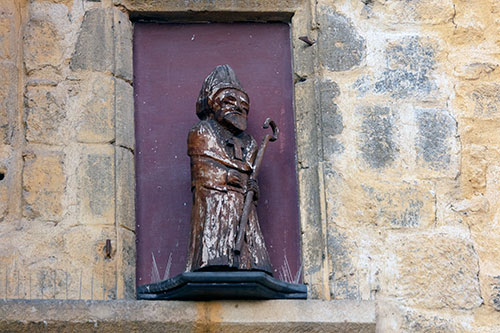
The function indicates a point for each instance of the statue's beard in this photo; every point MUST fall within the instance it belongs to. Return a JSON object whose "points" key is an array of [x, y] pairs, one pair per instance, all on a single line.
{"points": [[235, 120]]}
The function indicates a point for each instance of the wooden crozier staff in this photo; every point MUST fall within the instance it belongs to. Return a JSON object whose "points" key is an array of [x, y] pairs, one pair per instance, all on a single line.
{"points": [[250, 194]]}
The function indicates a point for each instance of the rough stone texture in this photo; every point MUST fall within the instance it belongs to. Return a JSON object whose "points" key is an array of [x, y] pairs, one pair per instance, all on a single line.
{"points": [[96, 186], [42, 45], [97, 115], [125, 188], [123, 45], [331, 118], [45, 114], [409, 63], [8, 102], [151, 316], [378, 147], [124, 113], [125, 283], [43, 185], [435, 137], [94, 48], [342, 47], [441, 274]]}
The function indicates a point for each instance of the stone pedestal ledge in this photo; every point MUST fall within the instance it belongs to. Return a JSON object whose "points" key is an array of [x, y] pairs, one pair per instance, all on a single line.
{"points": [[179, 316]]}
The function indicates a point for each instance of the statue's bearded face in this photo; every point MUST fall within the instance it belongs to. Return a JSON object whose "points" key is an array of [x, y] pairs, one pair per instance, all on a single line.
{"points": [[231, 109]]}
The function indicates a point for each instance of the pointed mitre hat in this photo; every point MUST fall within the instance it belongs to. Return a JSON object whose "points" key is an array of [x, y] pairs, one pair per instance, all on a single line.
{"points": [[221, 77]]}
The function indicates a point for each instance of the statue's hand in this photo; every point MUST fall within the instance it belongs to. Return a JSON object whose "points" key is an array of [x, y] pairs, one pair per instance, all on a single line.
{"points": [[253, 185], [234, 178]]}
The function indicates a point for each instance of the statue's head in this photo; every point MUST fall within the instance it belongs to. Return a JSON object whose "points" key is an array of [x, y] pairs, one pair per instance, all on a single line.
{"points": [[222, 98]]}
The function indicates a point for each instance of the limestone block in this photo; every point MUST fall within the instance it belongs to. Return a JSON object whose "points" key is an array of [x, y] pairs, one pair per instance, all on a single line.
{"points": [[179, 316], [91, 273], [430, 12], [436, 144], [475, 70], [395, 317], [45, 114], [96, 185], [432, 270], [126, 264], [42, 45], [44, 183], [125, 188], [96, 104], [7, 42], [341, 47], [8, 102], [378, 136], [5, 189], [409, 64], [207, 5], [490, 284], [385, 204], [479, 131], [479, 100], [124, 112], [94, 47], [344, 276], [309, 197], [123, 32], [331, 118], [474, 166]]}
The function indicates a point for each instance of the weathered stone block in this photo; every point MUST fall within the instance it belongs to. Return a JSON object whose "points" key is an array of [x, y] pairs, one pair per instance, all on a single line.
{"points": [[395, 317], [474, 166], [475, 70], [42, 45], [96, 185], [6, 43], [399, 205], [123, 32], [379, 147], [44, 184], [45, 115], [341, 47], [480, 100], [412, 12], [97, 114], [331, 118], [309, 197], [8, 102], [92, 269], [383, 204], [437, 145], [125, 188], [432, 270], [4, 189], [94, 48], [480, 131], [410, 62], [126, 264], [124, 112], [208, 5], [344, 280]]}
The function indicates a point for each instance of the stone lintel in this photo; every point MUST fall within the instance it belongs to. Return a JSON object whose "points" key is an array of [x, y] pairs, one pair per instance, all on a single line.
{"points": [[206, 16], [152, 316]]}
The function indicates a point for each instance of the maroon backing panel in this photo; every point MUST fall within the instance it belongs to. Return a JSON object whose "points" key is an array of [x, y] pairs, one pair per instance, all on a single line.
{"points": [[170, 63]]}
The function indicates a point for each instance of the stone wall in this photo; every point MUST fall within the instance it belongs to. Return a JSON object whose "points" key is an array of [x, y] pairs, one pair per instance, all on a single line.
{"points": [[397, 115], [67, 154]]}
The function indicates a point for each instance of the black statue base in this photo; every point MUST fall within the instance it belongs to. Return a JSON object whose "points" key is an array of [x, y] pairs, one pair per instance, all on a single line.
{"points": [[221, 285]]}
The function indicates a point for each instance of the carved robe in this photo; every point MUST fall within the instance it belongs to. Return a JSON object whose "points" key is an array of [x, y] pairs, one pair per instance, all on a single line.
{"points": [[216, 154]]}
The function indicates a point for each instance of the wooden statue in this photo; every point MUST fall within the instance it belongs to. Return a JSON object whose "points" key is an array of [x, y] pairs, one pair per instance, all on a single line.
{"points": [[225, 232]]}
